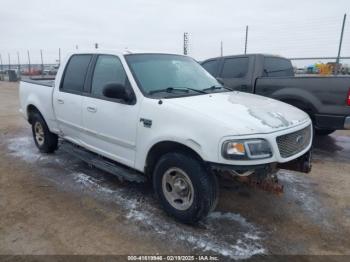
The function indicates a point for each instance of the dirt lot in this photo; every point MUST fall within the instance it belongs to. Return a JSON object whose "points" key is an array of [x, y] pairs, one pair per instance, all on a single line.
{"points": [[54, 204]]}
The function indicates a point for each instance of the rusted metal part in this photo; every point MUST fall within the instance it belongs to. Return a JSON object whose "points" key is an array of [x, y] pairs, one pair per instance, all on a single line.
{"points": [[264, 178], [269, 183]]}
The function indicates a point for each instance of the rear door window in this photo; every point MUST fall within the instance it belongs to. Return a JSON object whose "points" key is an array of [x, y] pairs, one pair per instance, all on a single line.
{"points": [[276, 66], [211, 66], [75, 73], [235, 67]]}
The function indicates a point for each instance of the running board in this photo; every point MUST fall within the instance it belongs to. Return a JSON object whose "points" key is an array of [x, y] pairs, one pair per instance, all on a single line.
{"points": [[123, 173]]}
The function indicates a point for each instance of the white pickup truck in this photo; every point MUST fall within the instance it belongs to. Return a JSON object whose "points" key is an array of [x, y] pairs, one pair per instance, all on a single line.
{"points": [[162, 117]]}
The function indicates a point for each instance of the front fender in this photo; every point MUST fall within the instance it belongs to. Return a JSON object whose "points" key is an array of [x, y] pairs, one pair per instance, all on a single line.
{"points": [[145, 148]]}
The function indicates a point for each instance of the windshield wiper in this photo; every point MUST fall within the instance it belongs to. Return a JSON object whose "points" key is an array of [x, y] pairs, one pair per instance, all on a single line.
{"points": [[212, 88], [197, 90], [170, 89]]}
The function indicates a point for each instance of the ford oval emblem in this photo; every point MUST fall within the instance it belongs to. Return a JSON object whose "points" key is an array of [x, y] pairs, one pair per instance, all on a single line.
{"points": [[299, 140]]}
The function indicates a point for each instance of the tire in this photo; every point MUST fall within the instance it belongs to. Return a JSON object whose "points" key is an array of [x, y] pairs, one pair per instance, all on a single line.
{"points": [[323, 132], [45, 141], [178, 174]]}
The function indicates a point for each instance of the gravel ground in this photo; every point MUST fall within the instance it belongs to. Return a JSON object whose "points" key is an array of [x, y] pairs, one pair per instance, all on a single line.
{"points": [[55, 204]]}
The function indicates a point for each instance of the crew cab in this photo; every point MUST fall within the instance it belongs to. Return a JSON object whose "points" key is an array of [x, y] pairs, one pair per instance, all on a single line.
{"points": [[326, 99], [162, 117]]}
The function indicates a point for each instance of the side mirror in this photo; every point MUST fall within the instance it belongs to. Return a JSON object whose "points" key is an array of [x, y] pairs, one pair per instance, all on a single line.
{"points": [[115, 91]]}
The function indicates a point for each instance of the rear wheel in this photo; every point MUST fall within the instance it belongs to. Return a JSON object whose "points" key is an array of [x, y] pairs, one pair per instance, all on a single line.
{"points": [[186, 190], [324, 132], [43, 138]]}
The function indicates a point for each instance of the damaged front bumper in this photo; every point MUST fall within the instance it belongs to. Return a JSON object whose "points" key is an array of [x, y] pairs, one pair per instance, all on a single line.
{"points": [[263, 177], [300, 164]]}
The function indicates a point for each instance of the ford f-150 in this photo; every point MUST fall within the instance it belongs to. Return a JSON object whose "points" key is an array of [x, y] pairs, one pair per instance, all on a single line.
{"points": [[162, 117]]}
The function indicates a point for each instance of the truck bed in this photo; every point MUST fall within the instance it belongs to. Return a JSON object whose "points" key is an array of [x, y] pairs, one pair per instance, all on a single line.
{"points": [[40, 81], [325, 96], [38, 92]]}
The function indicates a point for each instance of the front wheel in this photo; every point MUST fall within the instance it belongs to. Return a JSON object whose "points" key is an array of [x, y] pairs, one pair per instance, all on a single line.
{"points": [[186, 190]]}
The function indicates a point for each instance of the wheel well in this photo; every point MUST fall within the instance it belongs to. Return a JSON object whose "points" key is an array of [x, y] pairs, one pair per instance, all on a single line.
{"points": [[30, 112], [162, 148]]}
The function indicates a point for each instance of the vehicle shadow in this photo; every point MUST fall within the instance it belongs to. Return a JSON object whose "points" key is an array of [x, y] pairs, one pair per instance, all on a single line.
{"points": [[333, 147]]}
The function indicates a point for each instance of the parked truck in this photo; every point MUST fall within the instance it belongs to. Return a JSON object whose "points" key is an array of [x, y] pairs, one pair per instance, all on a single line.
{"points": [[163, 118], [326, 99]]}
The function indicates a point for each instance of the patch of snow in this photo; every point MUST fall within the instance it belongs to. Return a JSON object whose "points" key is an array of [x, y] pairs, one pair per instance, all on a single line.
{"points": [[290, 177], [24, 148], [230, 216], [243, 242], [247, 245], [299, 188], [83, 179], [251, 236]]}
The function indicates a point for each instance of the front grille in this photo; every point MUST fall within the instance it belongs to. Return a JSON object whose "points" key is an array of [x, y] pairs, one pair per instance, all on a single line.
{"points": [[293, 143]]}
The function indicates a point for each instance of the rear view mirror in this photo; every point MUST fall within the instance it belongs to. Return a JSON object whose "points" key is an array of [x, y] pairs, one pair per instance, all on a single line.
{"points": [[116, 91]]}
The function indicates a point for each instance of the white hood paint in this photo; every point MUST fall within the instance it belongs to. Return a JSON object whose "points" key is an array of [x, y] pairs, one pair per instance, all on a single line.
{"points": [[246, 113]]}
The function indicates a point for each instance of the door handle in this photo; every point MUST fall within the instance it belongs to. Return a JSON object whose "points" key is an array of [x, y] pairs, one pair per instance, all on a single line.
{"points": [[91, 109], [60, 101]]}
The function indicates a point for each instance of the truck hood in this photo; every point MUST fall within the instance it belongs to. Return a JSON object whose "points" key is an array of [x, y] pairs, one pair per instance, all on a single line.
{"points": [[243, 113]]}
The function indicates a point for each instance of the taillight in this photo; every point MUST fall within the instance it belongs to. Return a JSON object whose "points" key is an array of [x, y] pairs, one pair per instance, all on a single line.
{"points": [[348, 100]]}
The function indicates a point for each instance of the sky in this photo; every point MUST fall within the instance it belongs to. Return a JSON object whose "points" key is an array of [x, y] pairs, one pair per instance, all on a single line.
{"points": [[297, 28]]}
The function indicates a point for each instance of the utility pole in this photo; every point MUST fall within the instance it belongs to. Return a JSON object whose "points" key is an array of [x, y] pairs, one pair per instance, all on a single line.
{"points": [[29, 66], [340, 44], [246, 40], [2, 68], [42, 62], [221, 48], [9, 61], [59, 56], [19, 64], [185, 43]]}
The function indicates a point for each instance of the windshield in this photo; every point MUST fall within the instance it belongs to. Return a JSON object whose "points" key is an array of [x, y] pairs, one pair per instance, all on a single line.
{"points": [[163, 75]]}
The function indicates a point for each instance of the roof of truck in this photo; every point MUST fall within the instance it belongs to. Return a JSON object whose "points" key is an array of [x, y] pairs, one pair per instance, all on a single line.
{"points": [[250, 54], [119, 52]]}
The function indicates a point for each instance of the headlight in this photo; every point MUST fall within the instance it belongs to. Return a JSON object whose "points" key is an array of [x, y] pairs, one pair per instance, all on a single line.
{"points": [[246, 149]]}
